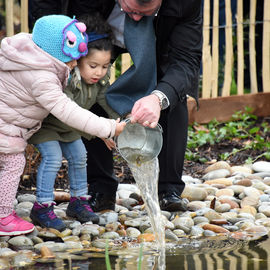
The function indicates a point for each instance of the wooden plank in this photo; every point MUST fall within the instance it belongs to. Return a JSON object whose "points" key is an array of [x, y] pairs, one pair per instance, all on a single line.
{"points": [[252, 50], [229, 51], [126, 62], [266, 47], [206, 57], [9, 18], [222, 108], [112, 73], [24, 16], [215, 51], [240, 48]]}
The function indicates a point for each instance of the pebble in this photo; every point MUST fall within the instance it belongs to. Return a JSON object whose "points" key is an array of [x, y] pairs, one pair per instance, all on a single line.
{"points": [[241, 209], [261, 166]]}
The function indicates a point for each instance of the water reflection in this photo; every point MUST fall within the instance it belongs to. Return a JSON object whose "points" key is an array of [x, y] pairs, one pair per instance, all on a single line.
{"points": [[241, 255]]}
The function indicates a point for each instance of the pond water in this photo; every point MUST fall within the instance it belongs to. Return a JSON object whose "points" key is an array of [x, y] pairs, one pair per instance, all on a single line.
{"points": [[207, 254]]}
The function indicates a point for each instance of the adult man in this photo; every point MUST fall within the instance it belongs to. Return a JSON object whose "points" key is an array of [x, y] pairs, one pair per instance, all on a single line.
{"points": [[178, 28]]}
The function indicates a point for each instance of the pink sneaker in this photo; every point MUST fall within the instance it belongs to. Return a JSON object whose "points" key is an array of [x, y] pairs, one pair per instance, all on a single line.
{"points": [[13, 225]]}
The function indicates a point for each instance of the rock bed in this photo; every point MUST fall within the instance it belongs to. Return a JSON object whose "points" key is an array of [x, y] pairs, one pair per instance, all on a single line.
{"points": [[230, 201]]}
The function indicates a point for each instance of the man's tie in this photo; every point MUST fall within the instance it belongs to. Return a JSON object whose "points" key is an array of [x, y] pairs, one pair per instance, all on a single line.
{"points": [[140, 79]]}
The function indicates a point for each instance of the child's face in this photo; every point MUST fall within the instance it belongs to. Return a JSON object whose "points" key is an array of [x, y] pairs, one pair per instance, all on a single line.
{"points": [[94, 66], [72, 64]]}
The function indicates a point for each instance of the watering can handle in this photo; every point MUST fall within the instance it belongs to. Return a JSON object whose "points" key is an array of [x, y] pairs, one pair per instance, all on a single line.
{"points": [[127, 120]]}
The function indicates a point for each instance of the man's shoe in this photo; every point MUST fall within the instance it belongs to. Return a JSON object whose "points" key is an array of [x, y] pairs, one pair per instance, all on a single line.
{"points": [[43, 215], [13, 225], [172, 202], [80, 209], [100, 201]]}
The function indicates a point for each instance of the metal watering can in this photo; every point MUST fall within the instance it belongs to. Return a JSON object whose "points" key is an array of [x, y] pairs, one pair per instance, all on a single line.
{"points": [[138, 144]]}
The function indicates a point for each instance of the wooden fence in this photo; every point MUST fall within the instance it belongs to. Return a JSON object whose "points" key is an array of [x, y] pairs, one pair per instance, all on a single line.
{"points": [[210, 61]]}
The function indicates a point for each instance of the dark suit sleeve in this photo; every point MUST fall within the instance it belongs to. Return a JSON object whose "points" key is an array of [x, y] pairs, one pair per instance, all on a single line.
{"points": [[181, 72], [70, 8], [41, 8]]}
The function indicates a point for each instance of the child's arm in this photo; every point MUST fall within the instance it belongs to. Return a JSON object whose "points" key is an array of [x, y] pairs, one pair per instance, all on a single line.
{"points": [[51, 97]]}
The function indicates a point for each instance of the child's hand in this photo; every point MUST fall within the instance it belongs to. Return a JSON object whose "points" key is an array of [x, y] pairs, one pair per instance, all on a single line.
{"points": [[109, 143], [119, 127]]}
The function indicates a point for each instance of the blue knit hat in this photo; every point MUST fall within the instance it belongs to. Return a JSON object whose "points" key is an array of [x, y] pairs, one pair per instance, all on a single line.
{"points": [[60, 36]]}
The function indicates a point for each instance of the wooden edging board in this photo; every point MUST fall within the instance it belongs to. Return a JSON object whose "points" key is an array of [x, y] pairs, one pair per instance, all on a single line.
{"points": [[222, 108]]}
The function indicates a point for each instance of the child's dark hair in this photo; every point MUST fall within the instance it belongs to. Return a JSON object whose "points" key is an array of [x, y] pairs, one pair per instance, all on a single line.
{"points": [[95, 23]]}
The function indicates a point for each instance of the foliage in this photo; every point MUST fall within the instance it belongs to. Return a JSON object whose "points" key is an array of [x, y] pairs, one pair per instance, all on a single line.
{"points": [[107, 258], [241, 129]]}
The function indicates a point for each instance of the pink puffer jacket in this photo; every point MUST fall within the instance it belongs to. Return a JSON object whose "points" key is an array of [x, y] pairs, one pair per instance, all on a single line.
{"points": [[31, 87]]}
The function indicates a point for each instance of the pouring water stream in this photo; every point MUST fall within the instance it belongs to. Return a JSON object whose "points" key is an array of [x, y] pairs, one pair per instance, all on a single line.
{"points": [[146, 177], [140, 146]]}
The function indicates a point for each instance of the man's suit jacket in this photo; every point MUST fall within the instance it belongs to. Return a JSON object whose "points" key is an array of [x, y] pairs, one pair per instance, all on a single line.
{"points": [[179, 45], [179, 41]]}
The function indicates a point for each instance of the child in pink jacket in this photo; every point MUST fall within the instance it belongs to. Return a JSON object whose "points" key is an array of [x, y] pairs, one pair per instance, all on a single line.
{"points": [[34, 69]]}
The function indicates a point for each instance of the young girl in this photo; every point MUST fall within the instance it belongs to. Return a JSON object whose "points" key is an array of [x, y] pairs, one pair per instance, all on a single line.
{"points": [[88, 84], [34, 69]]}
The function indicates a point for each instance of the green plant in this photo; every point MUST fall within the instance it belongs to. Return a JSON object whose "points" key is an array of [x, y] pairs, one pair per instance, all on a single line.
{"points": [[241, 129], [140, 257], [107, 258]]}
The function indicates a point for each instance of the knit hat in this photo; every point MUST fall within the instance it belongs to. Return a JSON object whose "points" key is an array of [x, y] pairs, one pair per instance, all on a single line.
{"points": [[60, 36]]}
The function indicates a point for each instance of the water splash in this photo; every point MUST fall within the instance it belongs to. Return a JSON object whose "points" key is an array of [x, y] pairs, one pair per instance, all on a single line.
{"points": [[146, 177]]}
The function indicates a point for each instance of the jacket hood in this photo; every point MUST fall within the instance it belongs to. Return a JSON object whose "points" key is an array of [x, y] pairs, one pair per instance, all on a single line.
{"points": [[20, 53]]}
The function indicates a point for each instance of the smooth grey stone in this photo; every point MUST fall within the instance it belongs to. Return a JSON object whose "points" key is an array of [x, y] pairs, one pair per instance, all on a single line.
{"points": [[133, 214], [92, 230], [179, 233], [200, 219], [145, 225], [110, 235], [21, 259], [23, 212], [231, 228], [26, 198], [4, 238], [134, 222], [167, 214], [73, 245], [235, 220], [133, 232], [262, 174], [77, 230], [108, 217], [74, 224], [6, 252], [221, 173], [261, 166], [21, 240], [264, 198], [196, 231], [52, 245], [37, 240], [209, 233], [203, 211], [169, 235], [99, 243]]}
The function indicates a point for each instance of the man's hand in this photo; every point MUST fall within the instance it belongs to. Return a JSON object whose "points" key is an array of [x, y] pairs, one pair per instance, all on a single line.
{"points": [[146, 111]]}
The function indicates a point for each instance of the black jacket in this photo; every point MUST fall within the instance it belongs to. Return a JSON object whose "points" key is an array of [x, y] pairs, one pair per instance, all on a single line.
{"points": [[179, 40]]}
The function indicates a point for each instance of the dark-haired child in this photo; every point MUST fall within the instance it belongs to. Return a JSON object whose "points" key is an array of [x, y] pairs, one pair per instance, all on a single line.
{"points": [[54, 140]]}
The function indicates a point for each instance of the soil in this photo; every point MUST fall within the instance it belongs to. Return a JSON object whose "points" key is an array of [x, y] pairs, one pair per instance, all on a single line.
{"points": [[122, 171]]}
